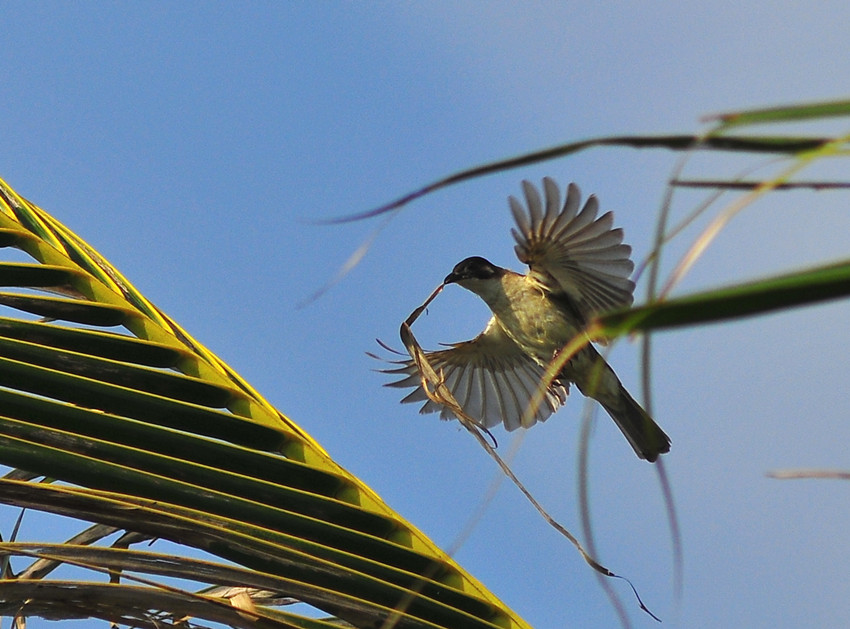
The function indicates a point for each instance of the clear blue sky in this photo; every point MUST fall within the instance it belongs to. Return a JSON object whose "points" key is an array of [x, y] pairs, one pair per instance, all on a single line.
{"points": [[192, 143]]}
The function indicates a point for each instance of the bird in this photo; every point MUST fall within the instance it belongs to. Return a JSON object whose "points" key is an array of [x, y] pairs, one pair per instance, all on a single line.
{"points": [[578, 267]]}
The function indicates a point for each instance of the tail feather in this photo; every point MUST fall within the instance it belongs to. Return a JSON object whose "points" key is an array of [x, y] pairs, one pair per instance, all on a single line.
{"points": [[645, 436], [596, 379]]}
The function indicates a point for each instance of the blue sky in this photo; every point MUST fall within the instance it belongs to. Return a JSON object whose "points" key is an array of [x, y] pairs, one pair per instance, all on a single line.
{"points": [[193, 143]]}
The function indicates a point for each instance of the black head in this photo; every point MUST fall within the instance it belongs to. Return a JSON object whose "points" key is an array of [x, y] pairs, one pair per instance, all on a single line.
{"points": [[474, 268]]}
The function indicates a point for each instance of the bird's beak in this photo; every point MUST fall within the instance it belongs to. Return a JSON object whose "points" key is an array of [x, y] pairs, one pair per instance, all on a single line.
{"points": [[451, 278]]}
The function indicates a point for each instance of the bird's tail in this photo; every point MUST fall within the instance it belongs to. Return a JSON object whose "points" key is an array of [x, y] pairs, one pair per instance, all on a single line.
{"points": [[645, 436]]}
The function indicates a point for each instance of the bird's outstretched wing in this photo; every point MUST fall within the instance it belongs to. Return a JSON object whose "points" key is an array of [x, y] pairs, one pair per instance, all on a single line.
{"points": [[572, 251], [490, 377]]}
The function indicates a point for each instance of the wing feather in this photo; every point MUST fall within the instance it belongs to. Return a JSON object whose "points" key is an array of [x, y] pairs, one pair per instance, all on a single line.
{"points": [[553, 203], [535, 209], [492, 379], [571, 250]]}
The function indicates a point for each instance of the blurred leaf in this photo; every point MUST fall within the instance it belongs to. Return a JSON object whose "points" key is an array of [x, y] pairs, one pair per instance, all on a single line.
{"points": [[759, 297], [809, 474], [788, 113], [753, 185], [754, 144]]}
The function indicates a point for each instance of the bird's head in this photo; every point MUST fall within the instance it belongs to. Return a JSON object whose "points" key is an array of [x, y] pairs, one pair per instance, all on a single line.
{"points": [[474, 268], [477, 275]]}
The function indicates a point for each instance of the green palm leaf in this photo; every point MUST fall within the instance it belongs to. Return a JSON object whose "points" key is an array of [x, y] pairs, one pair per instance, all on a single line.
{"points": [[781, 292], [150, 432]]}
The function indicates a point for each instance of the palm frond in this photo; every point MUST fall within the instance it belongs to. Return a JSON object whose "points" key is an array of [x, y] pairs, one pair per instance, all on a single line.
{"points": [[149, 432]]}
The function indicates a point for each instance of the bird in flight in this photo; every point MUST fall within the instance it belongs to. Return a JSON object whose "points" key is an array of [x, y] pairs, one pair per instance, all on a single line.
{"points": [[578, 267]]}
